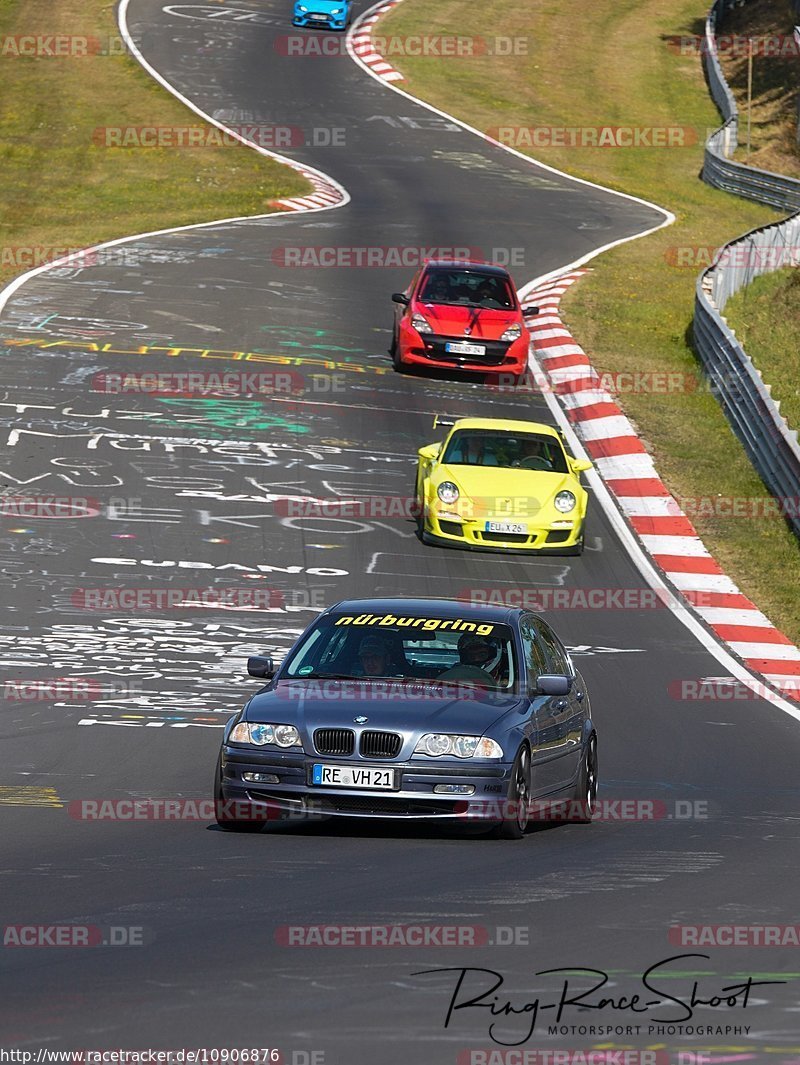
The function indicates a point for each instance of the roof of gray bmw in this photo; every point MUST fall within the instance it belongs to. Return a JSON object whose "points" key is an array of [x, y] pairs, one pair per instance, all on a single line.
{"points": [[442, 608]]}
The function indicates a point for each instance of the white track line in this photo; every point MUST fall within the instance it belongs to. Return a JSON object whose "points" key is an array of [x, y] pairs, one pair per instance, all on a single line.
{"points": [[317, 178], [626, 537]]}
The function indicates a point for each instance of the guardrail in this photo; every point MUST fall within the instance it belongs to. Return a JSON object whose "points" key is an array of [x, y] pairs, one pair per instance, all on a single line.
{"points": [[755, 417], [719, 168]]}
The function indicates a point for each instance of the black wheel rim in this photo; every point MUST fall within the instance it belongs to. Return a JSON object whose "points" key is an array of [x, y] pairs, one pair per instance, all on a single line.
{"points": [[591, 779]]}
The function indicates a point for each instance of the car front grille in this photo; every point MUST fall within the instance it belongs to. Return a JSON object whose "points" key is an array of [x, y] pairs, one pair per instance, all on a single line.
{"points": [[380, 744], [381, 806], [495, 353], [505, 538], [340, 741], [451, 528]]}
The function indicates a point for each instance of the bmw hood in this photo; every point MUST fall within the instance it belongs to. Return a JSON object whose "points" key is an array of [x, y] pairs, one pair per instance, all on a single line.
{"points": [[387, 705]]}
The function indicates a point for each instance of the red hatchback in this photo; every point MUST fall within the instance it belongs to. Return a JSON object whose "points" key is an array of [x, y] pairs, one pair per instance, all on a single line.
{"points": [[461, 315]]}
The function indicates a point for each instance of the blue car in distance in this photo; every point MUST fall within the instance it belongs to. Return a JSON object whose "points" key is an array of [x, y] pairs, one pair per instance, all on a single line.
{"points": [[322, 14]]}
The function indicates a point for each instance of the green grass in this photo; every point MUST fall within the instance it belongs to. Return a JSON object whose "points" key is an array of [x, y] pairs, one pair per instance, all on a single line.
{"points": [[766, 319], [610, 63], [60, 190]]}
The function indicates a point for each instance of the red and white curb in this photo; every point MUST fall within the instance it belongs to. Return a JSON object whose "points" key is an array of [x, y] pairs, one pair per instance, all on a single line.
{"points": [[326, 193], [663, 529], [364, 45]]}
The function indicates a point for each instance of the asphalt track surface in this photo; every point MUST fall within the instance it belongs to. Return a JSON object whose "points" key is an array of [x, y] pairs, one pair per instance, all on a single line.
{"points": [[212, 971]]}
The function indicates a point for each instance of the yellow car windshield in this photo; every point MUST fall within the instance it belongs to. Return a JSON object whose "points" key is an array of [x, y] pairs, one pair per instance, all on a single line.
{"points": [[527, 451]]}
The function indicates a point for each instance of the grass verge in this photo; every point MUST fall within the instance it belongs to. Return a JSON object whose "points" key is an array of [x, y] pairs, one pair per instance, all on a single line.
{"points": [[766, 319], [612, 63], [63, 191], [773, 117]]}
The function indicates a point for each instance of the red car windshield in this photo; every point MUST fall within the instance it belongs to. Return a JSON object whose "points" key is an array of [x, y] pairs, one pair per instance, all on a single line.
{"points": [[467, 288]]}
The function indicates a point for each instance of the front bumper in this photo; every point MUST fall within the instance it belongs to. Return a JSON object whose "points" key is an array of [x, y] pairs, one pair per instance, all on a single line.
{"points": [[428, 349], [414, 801], [471, 535], [314, 20]]}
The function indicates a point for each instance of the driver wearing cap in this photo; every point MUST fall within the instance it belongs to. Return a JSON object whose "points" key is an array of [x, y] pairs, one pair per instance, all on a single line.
{"points": [[373, 654]]}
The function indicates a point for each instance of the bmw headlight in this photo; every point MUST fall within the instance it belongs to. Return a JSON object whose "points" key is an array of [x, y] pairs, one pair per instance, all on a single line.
{"points": [[514, 332], [436, 744], [420, 324], [564, 502], [260, 734], [448, 492], [301, 7]]}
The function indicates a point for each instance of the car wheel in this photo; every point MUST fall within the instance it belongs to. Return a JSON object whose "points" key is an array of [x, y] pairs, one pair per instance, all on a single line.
{"points": [[516, 818], [230, 824], [586, 791], [419, 509], [395, 352]]}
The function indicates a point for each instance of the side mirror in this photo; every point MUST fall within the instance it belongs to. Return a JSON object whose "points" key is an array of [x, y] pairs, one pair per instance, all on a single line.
{"points": [[261, 666], [429, 452], [579, 465], [553, 684], [530, 312], [400, 297]]}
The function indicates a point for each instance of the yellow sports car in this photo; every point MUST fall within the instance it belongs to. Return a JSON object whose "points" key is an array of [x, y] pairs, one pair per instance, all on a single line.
{"points": [[499, 485]]}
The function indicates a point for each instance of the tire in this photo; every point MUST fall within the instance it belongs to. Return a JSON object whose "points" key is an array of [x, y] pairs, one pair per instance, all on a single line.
{"points": [[230, 824], [519, 793], [586, 790], [418, 503], [578, 548], [394, 351]]}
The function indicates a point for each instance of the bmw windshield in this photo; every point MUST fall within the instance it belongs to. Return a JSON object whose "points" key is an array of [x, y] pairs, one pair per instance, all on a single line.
{"points": [[409, 648]]}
